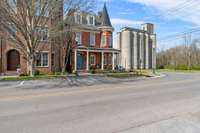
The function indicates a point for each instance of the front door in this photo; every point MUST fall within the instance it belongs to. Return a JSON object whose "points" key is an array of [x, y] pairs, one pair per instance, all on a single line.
{"points": [[13, 60], [80, 61]]}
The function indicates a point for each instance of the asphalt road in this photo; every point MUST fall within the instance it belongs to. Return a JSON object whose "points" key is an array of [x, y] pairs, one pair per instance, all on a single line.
{"points": [[163, 105]]}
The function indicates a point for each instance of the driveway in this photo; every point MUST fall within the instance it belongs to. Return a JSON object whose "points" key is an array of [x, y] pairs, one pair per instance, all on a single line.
{"points": [[162, 105]]}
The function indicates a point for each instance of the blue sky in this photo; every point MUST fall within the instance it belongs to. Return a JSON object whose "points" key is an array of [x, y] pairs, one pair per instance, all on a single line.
{"points": [[169, 16]]}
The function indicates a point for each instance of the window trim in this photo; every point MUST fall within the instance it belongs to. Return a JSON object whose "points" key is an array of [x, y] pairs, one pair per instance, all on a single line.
{"points": [[41, 28], [76, 18], [92, 35], [111, 41], [103, 42], [88, 20], [12, 6], [94, 56], [105, 62], [13, 31], [43, 52], [38, 9], [79, 43]]}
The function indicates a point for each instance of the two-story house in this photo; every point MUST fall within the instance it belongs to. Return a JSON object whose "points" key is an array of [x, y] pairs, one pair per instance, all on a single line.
{"points": [[94, 36]]}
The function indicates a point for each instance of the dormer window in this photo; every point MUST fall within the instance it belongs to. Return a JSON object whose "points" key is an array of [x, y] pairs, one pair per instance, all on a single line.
{"points": [[78, 18], [91, 20]]}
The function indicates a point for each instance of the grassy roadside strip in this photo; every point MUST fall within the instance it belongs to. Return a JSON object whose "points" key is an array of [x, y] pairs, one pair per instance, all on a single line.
{"points": [[25, 78], [138, 73], [172, 70]]}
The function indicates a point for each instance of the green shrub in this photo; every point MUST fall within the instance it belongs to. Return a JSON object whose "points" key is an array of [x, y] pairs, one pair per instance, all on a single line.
{"points": [[23, 74], [161, 67], [181, 67], [57, 73], [36, 72], [169, 67], [177, 67], [195, 67]]}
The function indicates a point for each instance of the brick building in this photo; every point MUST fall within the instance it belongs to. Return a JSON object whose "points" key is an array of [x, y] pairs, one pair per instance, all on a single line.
{"points": [[95, 49], [94, 35]]}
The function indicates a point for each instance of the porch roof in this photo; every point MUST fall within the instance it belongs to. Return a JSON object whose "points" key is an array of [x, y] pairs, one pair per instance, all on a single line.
{"points": [[94, 49]]}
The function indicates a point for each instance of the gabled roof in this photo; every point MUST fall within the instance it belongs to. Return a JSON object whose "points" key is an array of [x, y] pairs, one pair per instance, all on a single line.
{"points": [[105, 19]]}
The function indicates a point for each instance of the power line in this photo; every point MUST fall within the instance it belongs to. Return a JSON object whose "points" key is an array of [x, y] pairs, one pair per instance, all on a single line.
{"points": [[177, 9], [180, 34], [182, 5]]}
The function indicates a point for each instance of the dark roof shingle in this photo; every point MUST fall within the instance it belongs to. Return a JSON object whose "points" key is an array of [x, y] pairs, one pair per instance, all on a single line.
{"points": [[105, 19]]}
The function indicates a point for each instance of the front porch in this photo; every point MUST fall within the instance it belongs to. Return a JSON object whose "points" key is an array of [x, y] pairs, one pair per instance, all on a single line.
{"points": [[86, 59]]}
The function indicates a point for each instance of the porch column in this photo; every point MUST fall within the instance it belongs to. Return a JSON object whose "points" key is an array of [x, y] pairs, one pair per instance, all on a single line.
{"points": [[75, 60], [102, 60], [87, 61], [113, 61]]}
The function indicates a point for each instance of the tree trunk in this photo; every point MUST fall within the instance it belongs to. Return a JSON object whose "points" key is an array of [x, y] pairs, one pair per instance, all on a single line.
{"points": [[31, 66], [66, 60]]}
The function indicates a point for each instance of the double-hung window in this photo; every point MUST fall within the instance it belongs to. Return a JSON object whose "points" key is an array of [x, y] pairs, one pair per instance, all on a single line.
{"points": [[12, 31], [78, 38], [110, 41], [41, 8], [12, 5], [103, 40], [42, 33], [42, 60], [92, 59], [91, 20], [78, 18], [105, 60], [92, 39]]}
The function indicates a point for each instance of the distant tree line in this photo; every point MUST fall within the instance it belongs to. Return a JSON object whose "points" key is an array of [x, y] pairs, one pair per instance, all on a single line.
{"points": [[182, 57]]}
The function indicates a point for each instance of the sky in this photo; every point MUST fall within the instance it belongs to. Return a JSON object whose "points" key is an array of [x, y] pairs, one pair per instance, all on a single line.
{"points": [[170, 17]]}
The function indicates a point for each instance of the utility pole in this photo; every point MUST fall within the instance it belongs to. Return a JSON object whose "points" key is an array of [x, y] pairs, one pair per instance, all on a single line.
{"points": [[188, 43], [1, 56], [190, 54]]}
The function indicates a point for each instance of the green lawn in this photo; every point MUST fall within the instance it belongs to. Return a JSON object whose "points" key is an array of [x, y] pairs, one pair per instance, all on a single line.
{"points": [[22, 78], [114, 74], [172, 70], [138, 73]]}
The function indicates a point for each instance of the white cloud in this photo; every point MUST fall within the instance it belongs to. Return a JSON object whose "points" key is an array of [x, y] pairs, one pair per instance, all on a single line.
{"points": [[175, 9], [118, 21]]}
